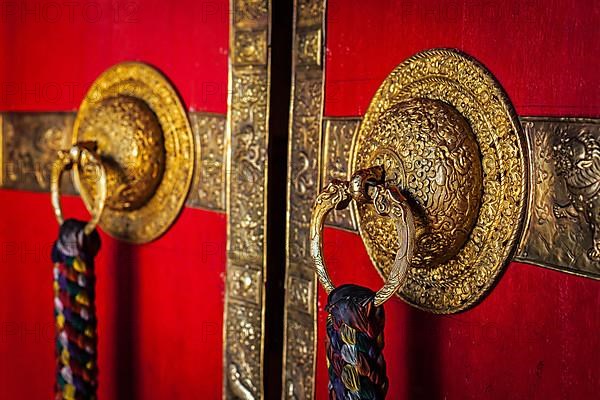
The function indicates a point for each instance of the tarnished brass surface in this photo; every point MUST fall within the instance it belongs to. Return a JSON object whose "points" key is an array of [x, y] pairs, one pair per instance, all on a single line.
{"points": [[304, 155], [246, 199], [145, 140], [563, 223], [208, 185], [436, 165], [31, 140], [366, 187]]}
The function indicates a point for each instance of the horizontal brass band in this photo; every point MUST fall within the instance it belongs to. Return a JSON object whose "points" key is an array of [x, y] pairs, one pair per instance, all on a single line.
{"points": [[30, 142], [562, 229], [564, 207]]}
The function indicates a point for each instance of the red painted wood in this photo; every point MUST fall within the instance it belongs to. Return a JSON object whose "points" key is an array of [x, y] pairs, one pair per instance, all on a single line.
{"points": [[160, 305], [539, 50], [51, 51], [535, 336]]}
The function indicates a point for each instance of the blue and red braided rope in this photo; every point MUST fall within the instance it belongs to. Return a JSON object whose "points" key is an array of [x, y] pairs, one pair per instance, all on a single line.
{"points": [[74, 311], [354, 343]]}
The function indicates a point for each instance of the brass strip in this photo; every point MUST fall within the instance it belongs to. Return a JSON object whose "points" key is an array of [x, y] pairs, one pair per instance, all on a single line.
{"points": [[208, 184], [246, 198], [304, 154], [564, 203], [30, 142], [562, 230], [30, 145]]}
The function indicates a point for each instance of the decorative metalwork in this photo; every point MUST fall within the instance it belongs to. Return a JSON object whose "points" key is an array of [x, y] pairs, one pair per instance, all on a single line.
{"points": [[464, 85], [208, 185], [84, 155], [563, 225], [366, 187], [304, 154], [146, 144], [246, 197], [31, 140], [337, 141], [429, 151]]}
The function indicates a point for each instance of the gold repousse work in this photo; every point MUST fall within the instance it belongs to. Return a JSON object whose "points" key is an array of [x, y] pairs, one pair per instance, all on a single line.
{"points": [[304, 153], [31, 141], [428, 149], [137, 119], [460, 82], [563, 223], [246, 198], [208, 185]]}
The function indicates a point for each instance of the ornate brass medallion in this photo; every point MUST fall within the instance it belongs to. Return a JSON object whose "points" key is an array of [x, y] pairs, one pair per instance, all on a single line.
{"points": [[146, 144], [448, 136]]}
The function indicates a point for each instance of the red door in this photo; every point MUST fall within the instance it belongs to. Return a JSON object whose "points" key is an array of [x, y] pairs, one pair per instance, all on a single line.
{"points": [[534, 335], [160, 305]]}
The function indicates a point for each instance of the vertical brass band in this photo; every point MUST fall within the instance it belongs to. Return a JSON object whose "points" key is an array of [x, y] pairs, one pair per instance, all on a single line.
{"points": [[304, 155], [246, 199], [30, 142]]}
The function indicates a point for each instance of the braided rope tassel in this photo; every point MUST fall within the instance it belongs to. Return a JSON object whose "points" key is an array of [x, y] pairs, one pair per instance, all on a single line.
{"points": [[74, 311], [354, 344]]}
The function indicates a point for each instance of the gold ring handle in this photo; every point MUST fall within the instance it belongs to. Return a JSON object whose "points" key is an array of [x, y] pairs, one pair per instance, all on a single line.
{"points": [[388, 201], [82, 155]]}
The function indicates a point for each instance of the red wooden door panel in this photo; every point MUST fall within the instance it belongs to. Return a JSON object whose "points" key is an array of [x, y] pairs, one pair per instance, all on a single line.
{"points": [[160, 305], [535, 335]]}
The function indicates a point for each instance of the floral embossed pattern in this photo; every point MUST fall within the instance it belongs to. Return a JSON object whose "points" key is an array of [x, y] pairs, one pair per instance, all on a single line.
{"points": [[459, 81]]}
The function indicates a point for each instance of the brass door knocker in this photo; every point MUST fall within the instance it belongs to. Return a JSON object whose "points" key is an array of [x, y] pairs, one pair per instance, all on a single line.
{"points": [[366, 186], [356, 365], [452, 174], [132, 160], [83, 155]]}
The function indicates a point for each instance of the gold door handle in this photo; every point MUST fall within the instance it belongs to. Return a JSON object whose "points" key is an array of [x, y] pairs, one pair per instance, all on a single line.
{"points": [[144, 142], [449, 139], [83, 155], [365, 186]]}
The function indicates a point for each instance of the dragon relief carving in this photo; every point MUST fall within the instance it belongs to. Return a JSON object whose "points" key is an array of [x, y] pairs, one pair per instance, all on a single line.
{"points": [[578, 163]]}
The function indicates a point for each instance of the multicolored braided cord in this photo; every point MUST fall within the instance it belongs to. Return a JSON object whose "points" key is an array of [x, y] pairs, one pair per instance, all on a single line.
{"points": [[74, 311], [354, 343]]}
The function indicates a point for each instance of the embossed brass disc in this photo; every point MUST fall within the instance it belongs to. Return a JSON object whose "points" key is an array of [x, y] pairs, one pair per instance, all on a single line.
{"points": [[448, 136], [146, 145]]}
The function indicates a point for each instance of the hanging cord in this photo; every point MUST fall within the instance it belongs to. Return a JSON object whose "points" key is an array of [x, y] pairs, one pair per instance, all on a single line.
{"points": [[75, 312], [356, 319], [354, 345], [74, 283]]}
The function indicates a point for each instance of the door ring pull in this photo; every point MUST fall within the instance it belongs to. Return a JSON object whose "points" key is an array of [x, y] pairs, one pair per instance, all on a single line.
{"points": [[82, 155], [365, 186]]}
